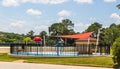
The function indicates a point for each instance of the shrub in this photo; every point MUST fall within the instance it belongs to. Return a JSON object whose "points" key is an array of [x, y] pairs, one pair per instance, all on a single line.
{"points": [[116, 51]]}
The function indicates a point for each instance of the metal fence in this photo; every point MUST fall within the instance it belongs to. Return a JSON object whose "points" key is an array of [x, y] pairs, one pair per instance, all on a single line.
{"points": [[23, 49]]}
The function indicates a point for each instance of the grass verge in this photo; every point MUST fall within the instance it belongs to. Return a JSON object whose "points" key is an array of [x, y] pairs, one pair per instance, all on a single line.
{"points": [[102, 61]]}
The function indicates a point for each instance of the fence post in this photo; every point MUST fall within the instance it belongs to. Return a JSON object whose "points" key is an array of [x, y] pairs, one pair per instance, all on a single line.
{"points": [[11, 51]]}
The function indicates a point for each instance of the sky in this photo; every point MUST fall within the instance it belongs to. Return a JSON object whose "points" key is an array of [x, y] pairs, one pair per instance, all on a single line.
{"points": [[21, 16]]}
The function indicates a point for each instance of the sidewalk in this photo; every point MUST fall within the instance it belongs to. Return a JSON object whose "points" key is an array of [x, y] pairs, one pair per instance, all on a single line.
{"points": [[14, 65]]}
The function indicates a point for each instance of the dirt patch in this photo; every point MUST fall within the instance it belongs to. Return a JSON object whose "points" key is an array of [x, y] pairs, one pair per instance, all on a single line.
{"points": [[20, 61], [4, 50]]}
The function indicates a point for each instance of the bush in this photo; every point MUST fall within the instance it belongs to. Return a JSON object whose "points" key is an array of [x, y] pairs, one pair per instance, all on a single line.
{"points": [[116, 51]]}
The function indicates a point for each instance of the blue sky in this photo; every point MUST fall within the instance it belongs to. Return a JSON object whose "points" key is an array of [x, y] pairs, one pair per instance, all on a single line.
{"points": [[21, 16]]}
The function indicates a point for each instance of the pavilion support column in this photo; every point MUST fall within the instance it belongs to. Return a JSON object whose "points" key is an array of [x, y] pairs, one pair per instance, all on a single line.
{"points": [[65, 41], [88, 45]]}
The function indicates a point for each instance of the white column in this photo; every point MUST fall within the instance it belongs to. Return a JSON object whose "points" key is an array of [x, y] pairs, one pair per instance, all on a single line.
{"points": [[44, 40], [88, 44]]}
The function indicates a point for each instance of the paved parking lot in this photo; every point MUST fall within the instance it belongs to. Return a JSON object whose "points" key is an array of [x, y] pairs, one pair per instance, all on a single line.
{"points": [[15, 65]]}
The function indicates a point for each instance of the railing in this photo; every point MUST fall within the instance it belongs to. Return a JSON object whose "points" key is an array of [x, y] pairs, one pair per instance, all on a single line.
{"points": [[23, 49]]}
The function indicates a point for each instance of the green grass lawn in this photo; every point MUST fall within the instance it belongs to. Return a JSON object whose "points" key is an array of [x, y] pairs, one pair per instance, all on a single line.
{"points": [[103, 61]]}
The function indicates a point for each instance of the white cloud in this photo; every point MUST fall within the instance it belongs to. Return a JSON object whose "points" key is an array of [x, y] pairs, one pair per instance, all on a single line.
{"points": [[34, 12], [80, 27], [60, 19], [17, 27], [64, 13], [45, 1], [8, 3], [84, 1], [57, 1], [92, 19], [23, 27], [109, 1], [38, 29], [18, 24], [115, 16], [35, 1]]}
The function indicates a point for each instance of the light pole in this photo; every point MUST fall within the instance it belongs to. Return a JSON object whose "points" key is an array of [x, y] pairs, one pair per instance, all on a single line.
{"points": [[97, 40], [57, 49]]}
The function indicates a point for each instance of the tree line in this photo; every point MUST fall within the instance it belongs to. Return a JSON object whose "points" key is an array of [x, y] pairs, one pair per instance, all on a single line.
{"points": [[116, 45], [66, 27]]}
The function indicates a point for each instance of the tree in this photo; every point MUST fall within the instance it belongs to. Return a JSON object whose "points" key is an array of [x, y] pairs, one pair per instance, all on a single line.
{"points": [[64, 28], [94, 27], [10, 37], [68, 25], [55, 28], [106, 36], [27, 40], [113, 25], [30, 34], [118, 6], [43, 33], [116, 51], [109, 34]]}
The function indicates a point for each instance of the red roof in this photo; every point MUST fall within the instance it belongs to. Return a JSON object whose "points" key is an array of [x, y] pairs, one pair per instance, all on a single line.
{"points": [[78, 36]]}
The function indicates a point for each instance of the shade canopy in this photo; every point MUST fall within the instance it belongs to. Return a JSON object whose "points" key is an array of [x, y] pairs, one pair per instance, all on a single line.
{"points": [[91, 39], [77, 36], [37, 38]]}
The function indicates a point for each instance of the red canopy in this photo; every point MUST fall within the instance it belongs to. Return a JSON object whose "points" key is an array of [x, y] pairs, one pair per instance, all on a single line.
{"points": [[91, 39], [78, 36], [37, 38]]}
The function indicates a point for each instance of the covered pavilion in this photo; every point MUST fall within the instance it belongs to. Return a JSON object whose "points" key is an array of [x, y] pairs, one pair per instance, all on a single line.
{"points": [[83, 41]]}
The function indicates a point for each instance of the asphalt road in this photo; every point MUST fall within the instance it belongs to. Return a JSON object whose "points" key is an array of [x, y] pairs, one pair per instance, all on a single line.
{"points": [[15, 65]]}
